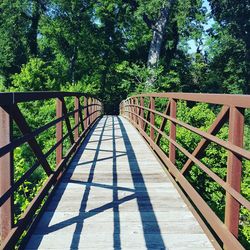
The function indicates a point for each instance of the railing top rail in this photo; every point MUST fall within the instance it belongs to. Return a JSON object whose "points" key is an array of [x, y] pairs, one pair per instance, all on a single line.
{"points": [[241, 101], [9, 98]]}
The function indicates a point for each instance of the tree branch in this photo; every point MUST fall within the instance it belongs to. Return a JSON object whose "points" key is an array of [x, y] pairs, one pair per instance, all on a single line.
{"points": [[148, 21]]}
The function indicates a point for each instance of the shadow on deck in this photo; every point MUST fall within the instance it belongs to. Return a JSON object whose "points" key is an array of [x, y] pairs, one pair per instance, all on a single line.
{"points": [[116, 195]]}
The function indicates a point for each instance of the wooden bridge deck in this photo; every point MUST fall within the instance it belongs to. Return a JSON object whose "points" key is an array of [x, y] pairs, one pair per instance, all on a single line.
{"points": [[116, 195]]}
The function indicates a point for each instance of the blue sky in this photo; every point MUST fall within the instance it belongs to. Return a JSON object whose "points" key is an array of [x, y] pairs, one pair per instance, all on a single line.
{"points": [[191, 43]]}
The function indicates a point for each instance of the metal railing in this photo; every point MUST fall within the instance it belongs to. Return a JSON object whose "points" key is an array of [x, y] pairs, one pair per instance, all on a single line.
{"points": [[232, 111], [84, 114]]}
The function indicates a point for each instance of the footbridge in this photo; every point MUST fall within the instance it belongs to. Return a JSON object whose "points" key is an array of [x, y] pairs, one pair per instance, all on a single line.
{"points": [[73, 177]]}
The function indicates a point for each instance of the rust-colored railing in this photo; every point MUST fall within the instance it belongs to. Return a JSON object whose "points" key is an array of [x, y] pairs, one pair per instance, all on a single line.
{"points": [[232, 111], [84, 114]]}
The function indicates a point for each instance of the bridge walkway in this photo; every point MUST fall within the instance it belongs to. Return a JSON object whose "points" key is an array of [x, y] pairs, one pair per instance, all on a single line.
{"points": [[116, 195]]}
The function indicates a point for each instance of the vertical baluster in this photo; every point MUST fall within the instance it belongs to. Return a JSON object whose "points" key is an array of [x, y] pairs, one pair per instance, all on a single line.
{"points": [[130, 109], [102, 108], [172, 132], [136, 111], [98, 107], [127, 108], [142, 111], [77, 106], [95, 109], [121, 108], [59, 131], [90, 111], [133, 109], [93, 102], [152, 118], [85, 112], [234, 168], [6, 175]]}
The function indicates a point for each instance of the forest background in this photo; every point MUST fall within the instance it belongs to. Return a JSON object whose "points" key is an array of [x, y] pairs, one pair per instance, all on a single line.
{"points": [[115, 48]]}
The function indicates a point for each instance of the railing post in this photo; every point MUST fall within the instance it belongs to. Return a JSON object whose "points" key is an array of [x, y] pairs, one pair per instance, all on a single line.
{"points": [[134, 110], [94, 109], [128, 108], [137, 120], [234, 168], [6, 175], [142, 112], [172, 131], [77, 106], [99, 108], [85, 112], [93, 102], [123, 108], [90, 110], [59, 131], [152, 118], [131, 109]]}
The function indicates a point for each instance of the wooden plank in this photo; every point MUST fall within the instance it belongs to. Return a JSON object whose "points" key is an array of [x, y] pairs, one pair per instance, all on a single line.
{"points": [[115, 188]]}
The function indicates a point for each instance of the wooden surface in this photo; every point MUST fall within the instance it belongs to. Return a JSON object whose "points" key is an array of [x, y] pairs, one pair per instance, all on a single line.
{"points": [[115, 195]]}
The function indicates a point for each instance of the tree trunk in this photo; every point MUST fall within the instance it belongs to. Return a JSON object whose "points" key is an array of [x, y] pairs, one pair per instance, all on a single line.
{"points": [[159, 29], [73, 65], [33, 32], [33, 35]]}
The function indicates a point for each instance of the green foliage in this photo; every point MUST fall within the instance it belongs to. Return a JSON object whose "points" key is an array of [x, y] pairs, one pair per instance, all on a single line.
{"points": [[36, 75], [228, 65], [27, 191], [13, 41]]}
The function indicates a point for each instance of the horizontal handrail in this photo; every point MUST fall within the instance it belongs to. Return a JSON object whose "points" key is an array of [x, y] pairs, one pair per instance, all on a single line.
{"points": [[241, 101], [8, 98], [144, 119], [85, 115]]}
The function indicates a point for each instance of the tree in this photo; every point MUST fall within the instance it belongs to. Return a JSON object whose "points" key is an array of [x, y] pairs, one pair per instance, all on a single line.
{"points": [[233, 17], [13, 42]]}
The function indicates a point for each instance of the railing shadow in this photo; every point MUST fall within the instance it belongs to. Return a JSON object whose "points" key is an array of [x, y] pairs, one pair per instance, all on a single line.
{"points": [[143, 201], [52, 206], [79, 225], [117, 229]]}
